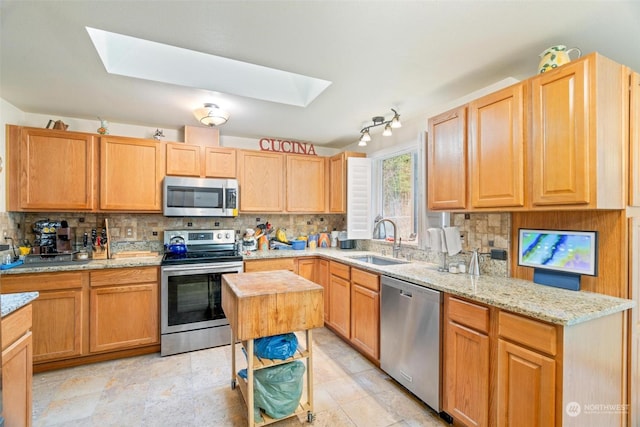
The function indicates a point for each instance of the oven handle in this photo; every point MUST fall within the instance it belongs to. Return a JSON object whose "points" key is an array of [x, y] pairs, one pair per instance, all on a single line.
{"points": [[212, 267]]}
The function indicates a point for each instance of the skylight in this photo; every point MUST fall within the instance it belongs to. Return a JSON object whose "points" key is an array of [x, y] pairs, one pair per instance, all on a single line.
{"points": [[144, 59]]}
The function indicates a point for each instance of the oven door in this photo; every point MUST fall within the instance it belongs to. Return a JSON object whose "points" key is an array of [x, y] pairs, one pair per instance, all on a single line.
{"points": [[191, 296]]}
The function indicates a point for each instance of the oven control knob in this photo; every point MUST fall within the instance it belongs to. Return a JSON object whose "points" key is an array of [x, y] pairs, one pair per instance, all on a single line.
{"points": [[219, 236], [227, 235]]}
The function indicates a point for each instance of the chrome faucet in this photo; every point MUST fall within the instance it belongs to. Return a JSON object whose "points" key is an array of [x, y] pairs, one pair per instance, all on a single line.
{"points": [[396, 241]]}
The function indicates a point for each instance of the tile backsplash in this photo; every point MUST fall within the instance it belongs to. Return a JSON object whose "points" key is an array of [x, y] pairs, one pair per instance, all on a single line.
{"points": [[145, 231]]}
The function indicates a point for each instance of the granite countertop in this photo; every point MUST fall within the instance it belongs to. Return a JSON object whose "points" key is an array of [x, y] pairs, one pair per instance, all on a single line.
{"points": [[558, 306], [97, 264], [13, 302], [554, 305]]}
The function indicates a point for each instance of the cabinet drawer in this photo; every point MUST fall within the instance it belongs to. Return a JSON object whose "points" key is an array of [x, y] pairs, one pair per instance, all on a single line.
{"points": [[37, 282], [270, 265], [365, 279], [15, 325], [340, 270], [468, 314], [118, 276], [537, 335]]}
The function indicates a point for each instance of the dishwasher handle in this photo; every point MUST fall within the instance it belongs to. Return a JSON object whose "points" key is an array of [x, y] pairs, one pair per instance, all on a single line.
{"points": [[406, 294]]}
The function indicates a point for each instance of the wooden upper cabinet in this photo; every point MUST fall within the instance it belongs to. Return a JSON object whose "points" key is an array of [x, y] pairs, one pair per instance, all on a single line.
{"points": [[200, 161], [338, 181], [219, 162], [496, 149], [305, 183], [50, 170], [261, 179], [183, 159], [447, 160], [131, 173], [579, 131]]}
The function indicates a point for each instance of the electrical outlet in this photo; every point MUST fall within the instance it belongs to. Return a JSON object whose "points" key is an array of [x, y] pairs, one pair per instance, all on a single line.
{"points": [[129, 231], [154, 233]]}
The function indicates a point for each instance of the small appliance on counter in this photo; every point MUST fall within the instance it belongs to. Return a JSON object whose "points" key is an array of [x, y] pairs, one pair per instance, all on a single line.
{"points": [[53, 243], [344, 242]]}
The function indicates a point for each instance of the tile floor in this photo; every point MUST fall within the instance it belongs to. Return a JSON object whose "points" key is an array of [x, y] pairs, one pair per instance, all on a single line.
{"points": [[193, 389]]}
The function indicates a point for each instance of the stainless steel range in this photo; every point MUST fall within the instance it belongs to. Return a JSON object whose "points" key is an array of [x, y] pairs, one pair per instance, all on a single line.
{"points": [[191, 280]]}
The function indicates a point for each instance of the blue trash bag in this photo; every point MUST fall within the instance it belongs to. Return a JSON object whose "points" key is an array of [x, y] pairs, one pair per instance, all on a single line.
{"points": [[276, 390], [276, 347]]}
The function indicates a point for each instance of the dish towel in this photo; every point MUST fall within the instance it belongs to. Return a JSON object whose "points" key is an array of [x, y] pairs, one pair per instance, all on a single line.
{"points": [[436, 240], [452, 240]]}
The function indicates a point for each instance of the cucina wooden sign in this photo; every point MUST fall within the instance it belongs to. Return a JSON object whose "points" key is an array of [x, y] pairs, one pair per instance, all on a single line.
{"points": [[284, 146]]}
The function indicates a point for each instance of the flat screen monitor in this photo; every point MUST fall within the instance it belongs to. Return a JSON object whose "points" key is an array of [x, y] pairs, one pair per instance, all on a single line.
{"points": [[565, 251]]}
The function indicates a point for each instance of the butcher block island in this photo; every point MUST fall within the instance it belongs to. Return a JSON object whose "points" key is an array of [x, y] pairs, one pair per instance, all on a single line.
{"points": [[263, 304]]}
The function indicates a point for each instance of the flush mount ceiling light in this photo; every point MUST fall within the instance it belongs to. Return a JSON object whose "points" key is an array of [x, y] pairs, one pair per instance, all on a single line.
{"points": [[393, 123], [211, 115]]}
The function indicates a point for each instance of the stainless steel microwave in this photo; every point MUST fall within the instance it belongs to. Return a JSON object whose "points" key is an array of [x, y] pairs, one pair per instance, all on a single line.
{"points": [[186, 196]]}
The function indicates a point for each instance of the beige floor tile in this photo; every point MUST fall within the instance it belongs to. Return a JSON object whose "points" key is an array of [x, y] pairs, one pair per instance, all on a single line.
{"points": [[368, 412], [194, 390]]}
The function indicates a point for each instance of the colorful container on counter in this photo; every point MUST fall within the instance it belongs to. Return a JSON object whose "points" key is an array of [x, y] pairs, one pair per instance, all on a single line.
{"points": [[324, 240], [298, 245], [313, 241]]}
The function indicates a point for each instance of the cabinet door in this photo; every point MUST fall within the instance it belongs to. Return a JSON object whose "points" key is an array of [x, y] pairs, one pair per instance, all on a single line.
{"points": [[261, 180], [496, 149], [131, 172], [526, 387], [305, 183], [57, 325], [447, 160], [183, 159], [340, 305], [123, 317], [51, 170], [365, 320], [17, 373], [466, 375], [323, 280], [219, 162], [562, 150], [307, 268], [270, 265], [337, 183]]}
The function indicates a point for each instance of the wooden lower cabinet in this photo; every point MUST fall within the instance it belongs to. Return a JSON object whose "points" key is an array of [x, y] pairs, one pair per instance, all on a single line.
{"points": [[124, 308], [526, 386], [322, 278], [466, 362], [84, 316], [59, 313], [506, 369], [17, 367], [306, 267], [365, 312], [340, 298], [270, 264]]}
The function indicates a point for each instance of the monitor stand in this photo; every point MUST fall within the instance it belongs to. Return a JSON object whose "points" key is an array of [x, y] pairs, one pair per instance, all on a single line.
{"points": [[557, 279]]}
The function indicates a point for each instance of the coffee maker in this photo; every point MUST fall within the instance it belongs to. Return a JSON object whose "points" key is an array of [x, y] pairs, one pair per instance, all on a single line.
{"points": [[64, 238]]}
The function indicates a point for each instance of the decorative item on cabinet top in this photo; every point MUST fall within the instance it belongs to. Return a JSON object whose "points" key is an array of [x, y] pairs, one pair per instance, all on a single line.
{"points": [[58, 124], [556, 56]]}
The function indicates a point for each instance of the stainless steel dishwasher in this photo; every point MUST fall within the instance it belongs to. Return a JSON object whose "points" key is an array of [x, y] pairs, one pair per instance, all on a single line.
{"points": [[410, 337]]}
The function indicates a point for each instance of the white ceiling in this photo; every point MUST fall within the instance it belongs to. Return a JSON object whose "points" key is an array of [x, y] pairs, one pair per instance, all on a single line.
{"points": [[410, 55]]}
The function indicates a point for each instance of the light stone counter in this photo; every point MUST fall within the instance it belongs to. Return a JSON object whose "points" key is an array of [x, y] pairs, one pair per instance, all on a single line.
{"points": [[13, 302], [559, 306], [97, 264], [553, 305]]}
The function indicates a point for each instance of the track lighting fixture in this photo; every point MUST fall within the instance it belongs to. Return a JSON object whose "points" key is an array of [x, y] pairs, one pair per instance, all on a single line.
{"points": [[380, 121]]}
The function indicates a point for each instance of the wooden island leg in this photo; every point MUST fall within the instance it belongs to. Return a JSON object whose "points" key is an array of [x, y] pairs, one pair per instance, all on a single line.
{"points": [[250, 411]]}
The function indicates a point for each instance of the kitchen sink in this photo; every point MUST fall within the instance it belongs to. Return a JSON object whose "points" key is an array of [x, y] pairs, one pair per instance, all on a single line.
{"points": [[377, 260]]}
